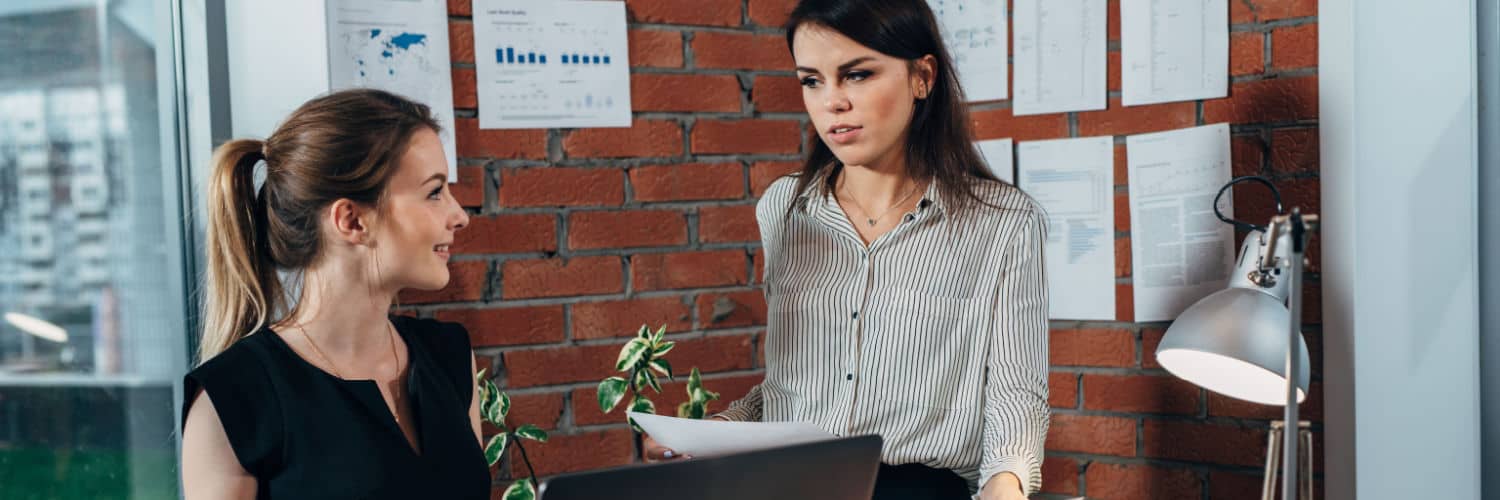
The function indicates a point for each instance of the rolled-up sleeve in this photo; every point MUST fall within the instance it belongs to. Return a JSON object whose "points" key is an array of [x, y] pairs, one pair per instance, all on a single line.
{"points": [[746, 409], [1016, 415]]}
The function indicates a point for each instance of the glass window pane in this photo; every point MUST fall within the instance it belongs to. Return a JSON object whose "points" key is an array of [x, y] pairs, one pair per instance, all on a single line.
{"points": [[92, 341]]}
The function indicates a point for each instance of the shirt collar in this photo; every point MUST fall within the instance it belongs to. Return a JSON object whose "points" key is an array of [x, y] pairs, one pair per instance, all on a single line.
{"points": [[811, 201]]}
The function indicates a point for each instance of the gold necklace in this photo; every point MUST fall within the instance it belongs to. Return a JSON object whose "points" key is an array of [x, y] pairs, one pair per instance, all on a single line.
{"points": [[844, 186], [395, 394]]}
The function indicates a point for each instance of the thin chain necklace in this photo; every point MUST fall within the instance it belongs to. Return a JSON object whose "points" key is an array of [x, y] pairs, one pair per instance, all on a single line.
{"points": [[396, 395], [844, 186]]}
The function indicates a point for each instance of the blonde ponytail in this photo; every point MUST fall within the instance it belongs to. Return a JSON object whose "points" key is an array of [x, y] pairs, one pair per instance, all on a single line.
{"points": [[242, 288]]}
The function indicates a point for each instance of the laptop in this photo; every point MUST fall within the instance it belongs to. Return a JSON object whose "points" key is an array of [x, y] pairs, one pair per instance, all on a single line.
{"points": [[837, 469]]}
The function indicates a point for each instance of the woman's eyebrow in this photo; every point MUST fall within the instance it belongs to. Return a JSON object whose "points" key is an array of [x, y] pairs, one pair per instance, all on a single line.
{"points": [[842, 67]]}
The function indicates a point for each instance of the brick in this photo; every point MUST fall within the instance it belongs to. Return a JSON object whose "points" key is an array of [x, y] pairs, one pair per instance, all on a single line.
{"points": [[717, 50], [1062, 390], [466, 282], [759, 262], [1254, 203], [771, 13], [1272, 10], [626, 229], [1140, 482], [1150, 339], [509, 326], [1092, 347], [1119, 119], [730, 224], [1139, 394], [542, 410], [465, 88], [732, 309], [561, 186], [1122, 257], [777, 94], [586, 401], [746, 136], [1122, 212], [1294, 47], [513, 233], [1240, 12], [1000, 123], [1310, 409], [1112, 65], [1234, 486], [763, 173], [1122, 166], [1124, 303], [1294, 151], [655, 49], [460, 42], [689, 12], [623, 318], [1059, 476], [576, 452], [473, 142], [644, 138], [1204, 442], [1274, 100], [523, 279], [664, 271], [666, 92], [590, 364], [469, 190], [1112, 20], [1246, 155], [1092, 434], [688, 181], [1247, 53], [460, 7]]}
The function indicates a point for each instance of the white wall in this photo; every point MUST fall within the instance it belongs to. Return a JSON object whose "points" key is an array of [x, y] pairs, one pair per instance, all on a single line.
{"points": [[1399, 169], [278, 59]]}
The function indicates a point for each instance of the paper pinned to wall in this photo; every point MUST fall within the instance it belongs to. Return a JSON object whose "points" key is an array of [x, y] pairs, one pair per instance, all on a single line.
{"points": [[1174, 50], [998, 154], [977, 38], [1180, 251], [400, 46], [558, 64], [1073, 180], [1060, 56]]}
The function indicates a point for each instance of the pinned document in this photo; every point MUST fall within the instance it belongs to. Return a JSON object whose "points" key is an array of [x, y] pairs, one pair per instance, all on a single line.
{"points": [[1060, 56], [1174, 50], [1073, 181]]}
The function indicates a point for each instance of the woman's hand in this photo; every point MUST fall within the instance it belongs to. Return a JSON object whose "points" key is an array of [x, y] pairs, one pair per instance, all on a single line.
{"points": [[655, 452], [1002, 486]]}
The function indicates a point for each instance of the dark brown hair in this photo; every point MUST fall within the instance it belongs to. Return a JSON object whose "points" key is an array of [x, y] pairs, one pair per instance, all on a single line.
{"points": [[344, 145], [940, 144]]}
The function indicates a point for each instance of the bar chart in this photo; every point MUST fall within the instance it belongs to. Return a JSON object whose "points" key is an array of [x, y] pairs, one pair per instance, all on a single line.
{"points": [[583, 59], [509, 55]]}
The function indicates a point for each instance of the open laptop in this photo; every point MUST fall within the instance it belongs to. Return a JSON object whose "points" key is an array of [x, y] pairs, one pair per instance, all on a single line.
{"points": [[837, 469]]}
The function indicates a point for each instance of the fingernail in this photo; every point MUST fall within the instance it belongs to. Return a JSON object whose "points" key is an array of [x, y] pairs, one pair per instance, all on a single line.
{"points": [[667, 454]]}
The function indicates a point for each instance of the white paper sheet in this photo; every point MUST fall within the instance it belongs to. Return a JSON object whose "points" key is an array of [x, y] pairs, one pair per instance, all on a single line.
{"points": [[400, 46], [998, 154], [558, 64], [1180, 251], [1060, 56], [711, 438], [975, 31], [1174, 50], [1073, 180]]}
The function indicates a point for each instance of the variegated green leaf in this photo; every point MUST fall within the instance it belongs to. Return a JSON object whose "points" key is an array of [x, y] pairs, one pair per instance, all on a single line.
{"points": [[643, 333], [504, 407], [642, 405], [631, 354], [661, 333], [611, 391], [662, 366], [520, 490], [495, 448], [695, 380], [662, 349], [691, 410], [490, 408], [649, 379], [532, 432]]}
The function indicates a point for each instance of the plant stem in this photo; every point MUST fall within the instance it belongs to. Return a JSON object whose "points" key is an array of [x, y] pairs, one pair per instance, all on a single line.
{"points": [[527, 460]]}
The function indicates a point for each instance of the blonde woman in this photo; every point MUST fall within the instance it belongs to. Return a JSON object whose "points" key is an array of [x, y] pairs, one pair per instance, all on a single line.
{"points": [[327, 396]]}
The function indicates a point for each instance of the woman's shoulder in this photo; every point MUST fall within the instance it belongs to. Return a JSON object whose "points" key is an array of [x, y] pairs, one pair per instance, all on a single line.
{"points": [[778, 196], [445, 337]]}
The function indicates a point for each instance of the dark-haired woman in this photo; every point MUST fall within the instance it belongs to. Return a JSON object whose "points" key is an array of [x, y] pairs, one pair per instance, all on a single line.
{"points": [[322, 394], [904, 281]]}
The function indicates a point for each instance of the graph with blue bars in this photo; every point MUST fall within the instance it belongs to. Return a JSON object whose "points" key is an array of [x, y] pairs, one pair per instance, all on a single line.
{"points": [[509, 55]]}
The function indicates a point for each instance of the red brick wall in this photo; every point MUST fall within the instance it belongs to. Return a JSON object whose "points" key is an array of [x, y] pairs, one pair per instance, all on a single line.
{"points": [[583, 235]]}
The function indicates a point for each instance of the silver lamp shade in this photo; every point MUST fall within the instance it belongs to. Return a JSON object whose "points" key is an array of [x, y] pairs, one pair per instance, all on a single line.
{"points": [[1234, 341]]}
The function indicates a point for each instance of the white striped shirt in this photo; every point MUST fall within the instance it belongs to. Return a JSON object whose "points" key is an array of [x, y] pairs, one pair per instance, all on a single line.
{"points": [[934, 336]]}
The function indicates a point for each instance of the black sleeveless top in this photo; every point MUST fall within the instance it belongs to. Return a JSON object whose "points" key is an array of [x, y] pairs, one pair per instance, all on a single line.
{"points": [[304, 433]]}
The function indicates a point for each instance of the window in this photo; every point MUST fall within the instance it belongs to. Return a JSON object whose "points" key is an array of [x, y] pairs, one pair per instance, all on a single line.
{"points": [[92, 307]]}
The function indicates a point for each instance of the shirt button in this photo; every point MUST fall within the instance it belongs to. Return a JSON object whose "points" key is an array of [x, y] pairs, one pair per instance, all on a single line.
{"points": [[855, 315], [849, 376]]}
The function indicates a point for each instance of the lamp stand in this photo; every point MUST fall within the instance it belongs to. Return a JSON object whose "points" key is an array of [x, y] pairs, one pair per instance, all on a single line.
{"points": [[1273, 460], [1296, 226]]}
